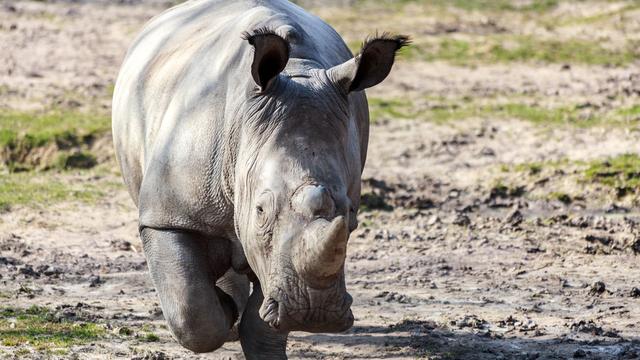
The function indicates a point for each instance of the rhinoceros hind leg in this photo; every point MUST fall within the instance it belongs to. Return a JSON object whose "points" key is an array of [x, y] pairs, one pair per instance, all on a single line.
{"points": [[199, 313], [258, 340]]}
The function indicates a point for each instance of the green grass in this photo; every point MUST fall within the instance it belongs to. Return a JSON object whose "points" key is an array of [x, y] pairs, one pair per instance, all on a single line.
{"points": [[469, 5], [629, 113], [38, 129], [621, 172], [499, 5], [593, 19], [23, 132], [37, 189], [37, 327], [509, 49], [529, 168], [393, 108], [440, 111], [562, 197], [151, 337]]}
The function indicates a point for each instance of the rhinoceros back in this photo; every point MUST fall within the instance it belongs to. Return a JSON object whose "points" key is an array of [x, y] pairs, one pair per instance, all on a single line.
{"points": [[177, 97]]}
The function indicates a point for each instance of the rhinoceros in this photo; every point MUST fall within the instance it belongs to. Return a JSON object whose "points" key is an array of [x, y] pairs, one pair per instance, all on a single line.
{"points": [[241, 129]]}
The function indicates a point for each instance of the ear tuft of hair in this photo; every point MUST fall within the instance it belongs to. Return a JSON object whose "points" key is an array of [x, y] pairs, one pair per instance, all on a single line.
{"points": [[262, 31], [400, 40]]}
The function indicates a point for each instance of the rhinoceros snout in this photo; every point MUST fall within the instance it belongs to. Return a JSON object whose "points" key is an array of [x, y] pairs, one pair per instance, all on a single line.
{"points": [[334, 315]]}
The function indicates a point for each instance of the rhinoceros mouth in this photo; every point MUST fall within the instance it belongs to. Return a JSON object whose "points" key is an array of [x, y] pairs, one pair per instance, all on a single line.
{"points": [[284, 316], [270, 312]]}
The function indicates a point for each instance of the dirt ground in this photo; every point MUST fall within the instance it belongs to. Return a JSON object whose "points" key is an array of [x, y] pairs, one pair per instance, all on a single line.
{"points": [[479, 238]]}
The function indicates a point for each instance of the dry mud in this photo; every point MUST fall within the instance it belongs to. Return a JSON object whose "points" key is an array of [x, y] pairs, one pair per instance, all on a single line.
{"points": [[445, 263]]}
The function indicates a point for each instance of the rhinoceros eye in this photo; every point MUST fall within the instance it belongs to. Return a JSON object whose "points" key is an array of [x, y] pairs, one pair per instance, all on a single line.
{"points": [[265, 210]]}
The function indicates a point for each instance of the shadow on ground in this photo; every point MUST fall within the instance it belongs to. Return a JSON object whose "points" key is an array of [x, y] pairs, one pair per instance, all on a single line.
{"points": [[422, 339]]}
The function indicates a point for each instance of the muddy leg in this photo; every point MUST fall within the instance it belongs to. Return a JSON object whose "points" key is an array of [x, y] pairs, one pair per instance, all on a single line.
{"points": [[258, 340], [184, 268]]}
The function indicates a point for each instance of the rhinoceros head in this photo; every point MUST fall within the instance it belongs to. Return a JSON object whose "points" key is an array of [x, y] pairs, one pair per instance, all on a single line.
{"points": [[297, 178]]}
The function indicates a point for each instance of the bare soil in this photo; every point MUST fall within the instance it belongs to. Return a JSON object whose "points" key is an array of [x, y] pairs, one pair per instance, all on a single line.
{"points": [[455, 257]]}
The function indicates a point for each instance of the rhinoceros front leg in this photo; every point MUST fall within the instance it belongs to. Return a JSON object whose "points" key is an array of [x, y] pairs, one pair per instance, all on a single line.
{"points": [[259, 341], [184, 268]]}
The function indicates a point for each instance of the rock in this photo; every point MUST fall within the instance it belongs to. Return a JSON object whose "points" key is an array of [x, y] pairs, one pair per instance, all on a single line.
{"points": [[635, 293], [615, 209], [486, 151], [462, 220], [121, 245], [28, 271], [597, 288], [470, 321], [95, 281], [589, 327], [579, 354], [514, 218], [156, 355], [604, 240], [125, 331], [6, 260], [433, 220]]}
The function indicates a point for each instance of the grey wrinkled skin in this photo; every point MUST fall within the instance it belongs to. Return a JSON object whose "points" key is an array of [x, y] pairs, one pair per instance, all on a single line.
{"points": [[241, 129]]}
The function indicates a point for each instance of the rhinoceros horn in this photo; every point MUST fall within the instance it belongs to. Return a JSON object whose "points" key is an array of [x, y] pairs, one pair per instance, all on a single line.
{"points": [[321, 252]]}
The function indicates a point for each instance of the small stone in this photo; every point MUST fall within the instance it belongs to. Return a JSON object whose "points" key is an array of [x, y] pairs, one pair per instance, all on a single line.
{"points": [[597, 288], [486, 151], [125, 331], [579, 354], [94, 281], [462, 220], [635, 293], [515, 217]]}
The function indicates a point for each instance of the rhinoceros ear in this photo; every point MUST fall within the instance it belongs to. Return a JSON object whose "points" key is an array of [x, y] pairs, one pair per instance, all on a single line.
{"points": [[371, 65], [270, 57]]}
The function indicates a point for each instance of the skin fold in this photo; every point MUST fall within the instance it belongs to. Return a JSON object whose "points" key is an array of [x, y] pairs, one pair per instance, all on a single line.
{"points": [[241, 129]]}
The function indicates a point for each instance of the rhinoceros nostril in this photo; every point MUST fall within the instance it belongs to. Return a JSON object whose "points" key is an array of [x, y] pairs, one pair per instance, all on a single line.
{"points": [[313, 200]]}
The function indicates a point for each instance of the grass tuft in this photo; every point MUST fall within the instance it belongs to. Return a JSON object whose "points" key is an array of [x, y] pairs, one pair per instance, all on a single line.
{"points": [[27, 188], [38, 327], [509, 49], [621, 172], [37, 129]]}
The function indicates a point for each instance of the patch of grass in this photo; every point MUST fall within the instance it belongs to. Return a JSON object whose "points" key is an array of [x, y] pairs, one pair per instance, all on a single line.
{"points": [[590, 20], [38, 129], [562, 197], [43, 189], [501, 5], [501, 190], [460, 110], [507, 49], [621, 173], [76, 160], [473, 5], [151, 337], [393, 108], [25, 138], [629, 113], [38, 327], [530, 168]]}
